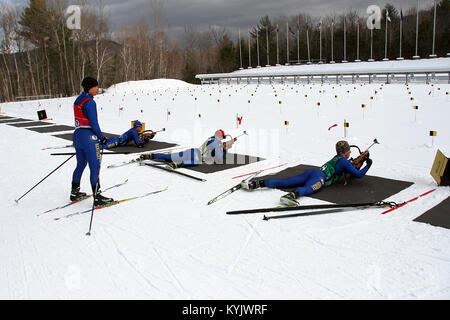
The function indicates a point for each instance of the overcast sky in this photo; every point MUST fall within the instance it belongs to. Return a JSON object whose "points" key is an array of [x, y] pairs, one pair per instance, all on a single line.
{"points": [[232, 14]]}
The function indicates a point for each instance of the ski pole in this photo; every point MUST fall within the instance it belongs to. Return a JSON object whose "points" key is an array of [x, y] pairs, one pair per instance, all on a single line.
{"points": [[74, 153], [17, 201], [95, 193]]}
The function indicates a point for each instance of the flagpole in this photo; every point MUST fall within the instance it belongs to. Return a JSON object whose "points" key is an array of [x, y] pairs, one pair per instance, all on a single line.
{"points": [[345, 44], [240, 50], [320, 42], [257, 47], [267, 41], [332, 46], [357, 45], [287, 43], [371, 45], [298, 40], [278, 51], [417, 31], [433, 55], [249, 51], [401, 34], [385, 43], [307, 43]]}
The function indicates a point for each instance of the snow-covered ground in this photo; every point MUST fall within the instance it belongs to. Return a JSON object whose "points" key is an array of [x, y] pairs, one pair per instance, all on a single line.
{"points": [[173, 246]]}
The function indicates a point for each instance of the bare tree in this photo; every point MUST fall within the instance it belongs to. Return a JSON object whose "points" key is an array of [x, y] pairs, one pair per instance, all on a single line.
{"points": [[8, 24]]}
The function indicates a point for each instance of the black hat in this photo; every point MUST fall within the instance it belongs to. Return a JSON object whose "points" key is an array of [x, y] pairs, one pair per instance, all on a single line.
{"points": [[89, 83]]}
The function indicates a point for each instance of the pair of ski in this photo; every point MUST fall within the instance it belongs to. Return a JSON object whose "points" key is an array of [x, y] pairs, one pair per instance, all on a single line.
{"points": [[239, 186], [325, 209], [99, 207], [125, 163], [111, 204], [329, 208], [164, 166]]}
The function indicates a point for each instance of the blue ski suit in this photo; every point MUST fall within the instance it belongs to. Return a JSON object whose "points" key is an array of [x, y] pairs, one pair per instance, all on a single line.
{"points": [[195, 156], [312, 180], [86, 141], [130, 135]]}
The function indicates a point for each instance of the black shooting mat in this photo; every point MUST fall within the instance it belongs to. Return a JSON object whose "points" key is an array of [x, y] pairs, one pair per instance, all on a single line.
{"points": [[367, 189], [438, 216], [150, 146], [231, 160], [48, 129], [30, 124], [14, 120], [130, 147], [68, 136]]}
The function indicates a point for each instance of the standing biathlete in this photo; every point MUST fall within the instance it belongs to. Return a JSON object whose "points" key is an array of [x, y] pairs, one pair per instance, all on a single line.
{"points": [[87, 138], [213, 150], [313, 180]]}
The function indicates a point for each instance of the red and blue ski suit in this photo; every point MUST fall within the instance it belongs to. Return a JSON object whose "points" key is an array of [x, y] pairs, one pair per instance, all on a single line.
{"points": [[86, 138]]}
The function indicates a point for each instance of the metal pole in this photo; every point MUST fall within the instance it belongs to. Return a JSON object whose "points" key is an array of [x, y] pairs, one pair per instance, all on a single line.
{"points": [[287, 43], [17, 201], [385, 43], [95, 193], [433, 55], [257, 46], [298, 40], [417, 31], [249, 51], [401, 36], [357, 44], [320, 42], [345, 44], [332, 46], [307, 42], [240, 48], [278, 51], [267, 40]]}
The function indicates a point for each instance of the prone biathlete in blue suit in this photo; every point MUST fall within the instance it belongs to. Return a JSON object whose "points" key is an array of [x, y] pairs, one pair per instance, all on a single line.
{"points": [[135, 134], [213, 150], [313, 180], [87, 140]]}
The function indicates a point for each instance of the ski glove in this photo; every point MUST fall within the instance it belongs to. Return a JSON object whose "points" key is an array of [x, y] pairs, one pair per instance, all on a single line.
{"points": [[368, 162]]}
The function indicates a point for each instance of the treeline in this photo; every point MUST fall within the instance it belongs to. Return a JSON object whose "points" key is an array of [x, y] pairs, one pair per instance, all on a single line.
{"points": [[40, 56]]}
